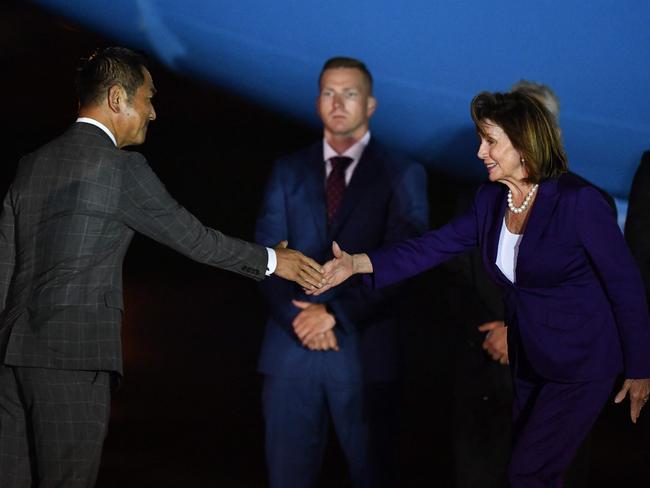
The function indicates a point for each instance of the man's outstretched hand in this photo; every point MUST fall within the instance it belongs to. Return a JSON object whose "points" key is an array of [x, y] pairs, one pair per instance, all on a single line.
{"points": [[295, 266]]}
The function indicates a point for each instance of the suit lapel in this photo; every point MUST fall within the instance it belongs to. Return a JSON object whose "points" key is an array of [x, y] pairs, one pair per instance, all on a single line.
{"points": [[315, 189], [359, 183], [541, 212], [547, 197], [494, 232]]}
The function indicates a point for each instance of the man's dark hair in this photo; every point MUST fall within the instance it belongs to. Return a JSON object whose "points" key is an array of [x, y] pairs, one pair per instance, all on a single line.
{"points": [[107, 67], [344, 62]]}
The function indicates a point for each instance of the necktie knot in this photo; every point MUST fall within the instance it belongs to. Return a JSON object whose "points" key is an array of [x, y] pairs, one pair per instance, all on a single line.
{"points": [[340, 163]]}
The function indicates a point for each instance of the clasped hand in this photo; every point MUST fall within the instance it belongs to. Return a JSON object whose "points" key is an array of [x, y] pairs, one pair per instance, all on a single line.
{"points": [[313, 326], [496, 340]]}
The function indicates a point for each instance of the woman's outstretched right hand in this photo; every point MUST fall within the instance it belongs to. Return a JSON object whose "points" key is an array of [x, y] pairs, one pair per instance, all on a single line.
{"points": [[339, 269]]}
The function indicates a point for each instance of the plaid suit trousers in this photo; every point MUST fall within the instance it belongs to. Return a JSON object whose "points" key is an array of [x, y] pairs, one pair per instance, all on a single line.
{"points": [[59, 443]]}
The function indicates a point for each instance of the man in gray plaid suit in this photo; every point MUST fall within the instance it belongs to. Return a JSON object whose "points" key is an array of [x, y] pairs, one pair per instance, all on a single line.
{"points": [[67, 221]]}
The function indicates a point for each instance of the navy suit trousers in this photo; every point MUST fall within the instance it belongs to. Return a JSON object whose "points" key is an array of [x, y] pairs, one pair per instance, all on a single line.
{"points": [[297, 414]]}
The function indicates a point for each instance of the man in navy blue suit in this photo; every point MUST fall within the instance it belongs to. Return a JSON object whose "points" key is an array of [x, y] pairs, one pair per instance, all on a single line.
{"points": [[336, 356]]}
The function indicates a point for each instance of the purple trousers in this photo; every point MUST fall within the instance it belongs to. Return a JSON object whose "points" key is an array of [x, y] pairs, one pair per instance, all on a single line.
{"points": [[551, 420]]}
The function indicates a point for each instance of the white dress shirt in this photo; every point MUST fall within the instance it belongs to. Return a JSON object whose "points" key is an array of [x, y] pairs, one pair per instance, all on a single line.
{"points": [[508, 251]]}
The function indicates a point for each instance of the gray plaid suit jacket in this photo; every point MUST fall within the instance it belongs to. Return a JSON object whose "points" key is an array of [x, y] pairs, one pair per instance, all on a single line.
{"points": [[67, 221]]}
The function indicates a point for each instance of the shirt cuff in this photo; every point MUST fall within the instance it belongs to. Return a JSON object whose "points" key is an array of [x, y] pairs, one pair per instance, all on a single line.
{"points": [[272, 262]]}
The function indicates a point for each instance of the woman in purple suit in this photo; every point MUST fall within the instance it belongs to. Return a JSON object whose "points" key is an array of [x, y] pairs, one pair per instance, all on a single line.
{"points": [[574, 300]]}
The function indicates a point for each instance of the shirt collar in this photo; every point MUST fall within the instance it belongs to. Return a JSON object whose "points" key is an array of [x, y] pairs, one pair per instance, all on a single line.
{"points": [[88, 120], [354, 151]]}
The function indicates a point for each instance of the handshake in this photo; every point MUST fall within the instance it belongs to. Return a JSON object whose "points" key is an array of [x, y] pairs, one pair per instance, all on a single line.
{"points": [[314, 323]]}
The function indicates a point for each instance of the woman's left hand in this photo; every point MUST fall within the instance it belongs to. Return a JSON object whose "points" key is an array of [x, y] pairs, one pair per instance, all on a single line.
{"points": [[639, 390]]}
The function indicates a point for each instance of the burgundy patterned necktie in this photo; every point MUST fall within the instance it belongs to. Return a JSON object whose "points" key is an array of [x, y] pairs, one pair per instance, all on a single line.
{"points": [[335, 185]]}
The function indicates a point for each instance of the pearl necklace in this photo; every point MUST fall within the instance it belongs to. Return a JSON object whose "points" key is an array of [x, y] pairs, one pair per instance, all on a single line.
{"points": [[524, 205]]}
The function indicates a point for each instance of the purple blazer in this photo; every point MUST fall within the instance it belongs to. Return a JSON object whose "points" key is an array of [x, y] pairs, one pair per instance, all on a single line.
{"points": [[578, 305]]}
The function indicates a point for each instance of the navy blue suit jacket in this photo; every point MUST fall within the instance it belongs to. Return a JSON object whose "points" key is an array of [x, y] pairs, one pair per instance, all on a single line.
{"points": [[384, 202], [577, 306]]}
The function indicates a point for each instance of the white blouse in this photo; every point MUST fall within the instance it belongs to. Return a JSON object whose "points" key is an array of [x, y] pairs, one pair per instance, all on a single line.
{"points": [[508, 251]]}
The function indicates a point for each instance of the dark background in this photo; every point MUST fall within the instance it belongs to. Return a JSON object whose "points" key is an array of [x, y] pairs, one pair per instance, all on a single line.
{"points": [[188, 411]]}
